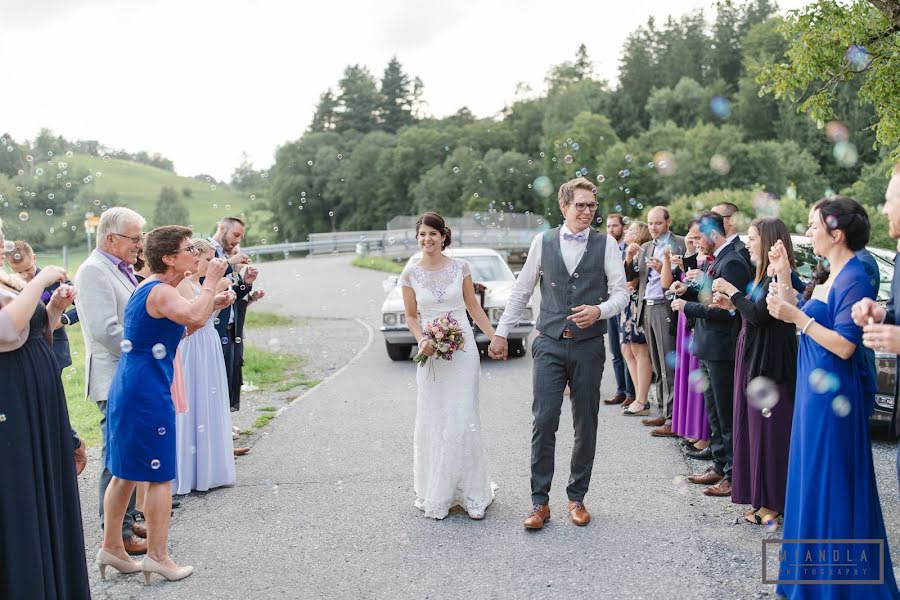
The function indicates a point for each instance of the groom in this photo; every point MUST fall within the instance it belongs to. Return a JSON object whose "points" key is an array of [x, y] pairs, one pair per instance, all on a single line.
{"points": [[582, 281]]}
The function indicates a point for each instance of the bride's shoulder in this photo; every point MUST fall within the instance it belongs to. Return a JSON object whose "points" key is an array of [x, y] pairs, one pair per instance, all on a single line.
{"points": [[406, 275]]}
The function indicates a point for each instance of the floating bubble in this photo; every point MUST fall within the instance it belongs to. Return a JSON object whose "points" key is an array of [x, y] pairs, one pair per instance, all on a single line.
{"points": [[837, 132], [23, 216], [719, 164], [671, 359], [159, 351], [665, 163], [823, 382], [309, 163], [841, 406], [601, 178], [858, 58], [698, 381], [762, 393], [154, 464], [845, 154], [624, 173], [237, 340], [125, 346], [2, 418], [543, 186], [568, 159], [628, 158], [720, 107], [29, 158], [831, 222], [766, 412], [201, 428], [49, 212], [161, 431]]}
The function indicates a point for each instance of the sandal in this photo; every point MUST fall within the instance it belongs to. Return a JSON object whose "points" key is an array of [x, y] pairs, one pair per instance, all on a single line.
{"points": [[750, 516], [642, 411], [138, 515]]}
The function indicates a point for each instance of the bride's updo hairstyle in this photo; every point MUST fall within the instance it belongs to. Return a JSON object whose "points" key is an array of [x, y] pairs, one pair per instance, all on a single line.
{"points": [[435, 221]]}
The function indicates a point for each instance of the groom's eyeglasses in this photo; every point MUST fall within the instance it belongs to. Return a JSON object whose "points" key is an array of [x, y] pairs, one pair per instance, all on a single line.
{"points": [[583, 206]]}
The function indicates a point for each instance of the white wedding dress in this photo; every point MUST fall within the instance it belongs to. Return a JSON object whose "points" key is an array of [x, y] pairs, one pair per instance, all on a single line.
{"points": [[449, 459]]}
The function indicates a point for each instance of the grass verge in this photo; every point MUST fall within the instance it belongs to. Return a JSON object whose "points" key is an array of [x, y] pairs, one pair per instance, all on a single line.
{"points": [[377, 263], [83, 414], [257, 319], [263, 419]]}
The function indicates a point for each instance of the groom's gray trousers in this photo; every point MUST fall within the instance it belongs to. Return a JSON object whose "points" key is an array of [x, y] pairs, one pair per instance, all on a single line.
{"points": [[557, 363]]}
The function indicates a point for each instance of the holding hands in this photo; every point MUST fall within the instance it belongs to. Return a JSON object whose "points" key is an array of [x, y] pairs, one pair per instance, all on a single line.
{"points": [[499, 348]]}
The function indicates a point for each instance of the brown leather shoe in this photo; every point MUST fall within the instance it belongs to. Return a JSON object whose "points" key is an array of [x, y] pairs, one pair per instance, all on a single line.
{"points": [[139, 530], [241, 451], [540, 513], [135, 545], [578, 513], [654, 422], [628, 401], [617, 399], [721, 489], [708, 478], [664, 431]]}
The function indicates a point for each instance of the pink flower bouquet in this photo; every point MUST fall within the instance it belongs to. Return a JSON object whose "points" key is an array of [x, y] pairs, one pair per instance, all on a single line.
{"points": [[445, 336]]}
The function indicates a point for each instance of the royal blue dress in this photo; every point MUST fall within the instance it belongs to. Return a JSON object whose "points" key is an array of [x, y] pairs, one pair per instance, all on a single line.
{"points": [[140, 416], [831, 490]]}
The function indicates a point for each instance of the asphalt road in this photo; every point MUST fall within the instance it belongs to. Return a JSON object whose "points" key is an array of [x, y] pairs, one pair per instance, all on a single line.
{"points": [[323, 507]]}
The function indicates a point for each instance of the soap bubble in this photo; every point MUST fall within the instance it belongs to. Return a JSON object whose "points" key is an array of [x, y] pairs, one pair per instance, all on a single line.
{"points": [[720, 107], [125, 346], [161, 431], [159, 351], [154, 464], [858, 58], [841, 406], [762, 393]]}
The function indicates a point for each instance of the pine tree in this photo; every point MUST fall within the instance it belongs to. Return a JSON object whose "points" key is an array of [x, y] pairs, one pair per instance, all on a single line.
{"points": [[358, 101], [323, 119], [396, 98]]}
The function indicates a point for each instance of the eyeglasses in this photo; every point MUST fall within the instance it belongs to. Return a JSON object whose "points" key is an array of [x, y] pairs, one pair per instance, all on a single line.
{"points": [[582, 206], [133, 240], [190, 248]]}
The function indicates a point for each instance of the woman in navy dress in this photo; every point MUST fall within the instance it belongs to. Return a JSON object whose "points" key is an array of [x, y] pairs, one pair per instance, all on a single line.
{"points": [[140, 414], [831, 490]]}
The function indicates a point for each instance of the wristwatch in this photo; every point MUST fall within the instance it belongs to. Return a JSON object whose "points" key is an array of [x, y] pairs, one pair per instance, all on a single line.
{"points": [[64, 319]]}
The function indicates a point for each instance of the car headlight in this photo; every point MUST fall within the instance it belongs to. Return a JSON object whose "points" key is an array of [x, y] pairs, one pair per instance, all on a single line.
{"points": [[527, 314], [389, 318], [496, 314]]}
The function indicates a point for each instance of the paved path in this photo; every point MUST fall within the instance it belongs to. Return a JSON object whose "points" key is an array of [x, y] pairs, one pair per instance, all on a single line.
{"points": [[323, 507]]}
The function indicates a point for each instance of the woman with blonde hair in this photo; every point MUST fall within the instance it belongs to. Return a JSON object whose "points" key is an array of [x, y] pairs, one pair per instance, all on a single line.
{"points": [[634, 343]]}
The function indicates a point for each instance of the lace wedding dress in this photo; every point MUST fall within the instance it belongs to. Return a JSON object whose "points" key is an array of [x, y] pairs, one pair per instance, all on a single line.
{"points": [[449, 459]]}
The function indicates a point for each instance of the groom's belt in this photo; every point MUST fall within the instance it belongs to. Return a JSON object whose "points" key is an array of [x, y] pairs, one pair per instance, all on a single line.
{"points": [[567, 334], [655, 301]]}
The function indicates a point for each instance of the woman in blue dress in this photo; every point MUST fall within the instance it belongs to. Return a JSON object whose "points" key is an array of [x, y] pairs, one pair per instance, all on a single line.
{"points": [[140, 414], [831, 492]]}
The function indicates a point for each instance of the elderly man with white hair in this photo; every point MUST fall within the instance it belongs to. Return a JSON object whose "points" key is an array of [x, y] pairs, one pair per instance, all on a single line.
{"points": [[105, 283]]}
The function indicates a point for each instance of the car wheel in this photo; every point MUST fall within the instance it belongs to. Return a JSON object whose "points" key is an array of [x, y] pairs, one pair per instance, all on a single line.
{"points": [[517, 347], [398, 352]]}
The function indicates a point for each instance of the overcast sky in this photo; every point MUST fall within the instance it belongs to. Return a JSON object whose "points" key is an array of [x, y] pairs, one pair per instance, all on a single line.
{"points": [[200, 81]]}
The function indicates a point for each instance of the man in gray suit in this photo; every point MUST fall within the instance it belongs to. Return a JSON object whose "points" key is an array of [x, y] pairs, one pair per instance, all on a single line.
{"points": [[582, 284], [654, 312], [105, 283]]}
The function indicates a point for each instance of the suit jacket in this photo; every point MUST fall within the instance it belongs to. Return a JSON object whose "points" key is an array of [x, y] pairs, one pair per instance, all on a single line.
{"points": [[103, 293], [717, 329], [643, 270], [893, 317], [742, 249], [60, 338], [242, 289]]}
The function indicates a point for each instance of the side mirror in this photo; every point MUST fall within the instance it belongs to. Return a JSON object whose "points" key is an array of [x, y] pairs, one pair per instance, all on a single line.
{"points": [[390, 283]]}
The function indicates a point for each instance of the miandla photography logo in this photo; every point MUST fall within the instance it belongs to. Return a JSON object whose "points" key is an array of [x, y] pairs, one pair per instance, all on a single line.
{"points": [[824, 562]]}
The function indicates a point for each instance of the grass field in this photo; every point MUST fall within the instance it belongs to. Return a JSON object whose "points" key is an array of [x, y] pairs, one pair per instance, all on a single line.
{"points": [[378, 263]]}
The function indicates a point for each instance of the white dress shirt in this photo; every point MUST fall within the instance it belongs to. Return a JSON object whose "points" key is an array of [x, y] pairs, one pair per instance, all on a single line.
{"points": [[220, 253], [572, 251], [654, 279]]}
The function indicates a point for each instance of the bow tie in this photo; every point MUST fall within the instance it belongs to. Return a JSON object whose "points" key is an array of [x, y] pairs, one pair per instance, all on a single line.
{"points": [[578, 237]]}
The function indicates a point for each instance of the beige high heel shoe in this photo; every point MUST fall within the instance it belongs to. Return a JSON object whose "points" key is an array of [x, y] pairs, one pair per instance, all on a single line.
{"points": [[151, 566], [105, 559]]}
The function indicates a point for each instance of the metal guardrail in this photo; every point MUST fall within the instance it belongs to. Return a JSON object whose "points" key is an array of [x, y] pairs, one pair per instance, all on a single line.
{"points": [[396, 242]]}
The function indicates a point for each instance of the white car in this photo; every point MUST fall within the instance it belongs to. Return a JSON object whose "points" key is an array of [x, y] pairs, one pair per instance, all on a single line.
{"points": [[488, 268]]}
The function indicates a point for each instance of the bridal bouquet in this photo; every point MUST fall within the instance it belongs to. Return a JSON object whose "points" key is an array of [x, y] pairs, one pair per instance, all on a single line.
{"points": [[445, 336]]}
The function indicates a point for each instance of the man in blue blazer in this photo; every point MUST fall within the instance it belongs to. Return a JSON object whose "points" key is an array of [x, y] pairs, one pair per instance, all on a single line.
{"points": [[881, 328]]}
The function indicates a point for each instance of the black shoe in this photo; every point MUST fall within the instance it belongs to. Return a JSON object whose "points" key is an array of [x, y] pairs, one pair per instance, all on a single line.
{"points": [[176, 503], [705, 454]]}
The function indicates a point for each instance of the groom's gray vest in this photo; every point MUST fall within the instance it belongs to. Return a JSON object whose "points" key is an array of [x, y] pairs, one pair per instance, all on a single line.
{"points": [[560, 292]]}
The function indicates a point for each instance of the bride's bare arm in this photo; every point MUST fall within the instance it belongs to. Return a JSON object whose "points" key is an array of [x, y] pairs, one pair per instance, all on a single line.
{"points": [[411, 308], [474, 308]]}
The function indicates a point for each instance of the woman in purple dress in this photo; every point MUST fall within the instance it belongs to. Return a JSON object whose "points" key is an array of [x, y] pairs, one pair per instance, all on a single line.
{"points": [[688, 410], [765, 373]]}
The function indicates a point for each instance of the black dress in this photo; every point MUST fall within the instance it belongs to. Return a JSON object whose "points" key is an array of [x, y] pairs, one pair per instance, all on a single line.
{"points": [[41, 538]]}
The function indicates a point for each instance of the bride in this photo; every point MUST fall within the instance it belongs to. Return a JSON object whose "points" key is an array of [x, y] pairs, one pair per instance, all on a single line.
{"points": [[449, 462]]}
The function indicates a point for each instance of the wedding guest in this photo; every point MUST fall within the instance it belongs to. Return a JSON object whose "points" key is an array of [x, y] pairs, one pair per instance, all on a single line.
{"points": [[105, 282], [633, 341], [615, 227], [643, 263], [715, 335], [141, 426], [247, 277], [688, 410], [883, 332], [570, 350], [765, 372], [831, 488], [203, 433], [41, 537], [23, 261], [141, 268], [229, 233], [730, 216]]}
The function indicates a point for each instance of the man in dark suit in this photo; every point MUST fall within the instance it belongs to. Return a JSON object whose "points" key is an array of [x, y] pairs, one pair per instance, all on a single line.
{"points": [[730, 215], [715, 335], [881, 328]]}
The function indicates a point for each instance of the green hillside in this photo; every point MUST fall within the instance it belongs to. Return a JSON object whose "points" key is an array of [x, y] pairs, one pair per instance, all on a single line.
{"points": [[138, 188]]}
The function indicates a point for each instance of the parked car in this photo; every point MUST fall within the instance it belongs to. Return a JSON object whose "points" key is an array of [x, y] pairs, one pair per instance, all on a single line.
{"points": [[488, 268], [885, 364]]}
